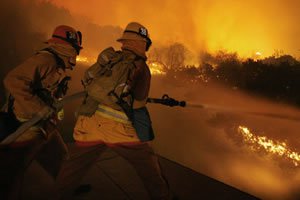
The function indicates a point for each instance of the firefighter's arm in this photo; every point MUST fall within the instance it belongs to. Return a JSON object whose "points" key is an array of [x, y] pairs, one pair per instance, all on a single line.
{"points": [[135, 78], [19, 83], [140, 81]]}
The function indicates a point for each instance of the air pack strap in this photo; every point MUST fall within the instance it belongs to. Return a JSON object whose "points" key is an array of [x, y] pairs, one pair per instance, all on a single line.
{"points": [[59, 61]]}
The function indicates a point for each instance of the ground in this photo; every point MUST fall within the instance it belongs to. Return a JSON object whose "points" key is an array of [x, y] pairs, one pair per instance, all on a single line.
{"points": [[112, 178]]}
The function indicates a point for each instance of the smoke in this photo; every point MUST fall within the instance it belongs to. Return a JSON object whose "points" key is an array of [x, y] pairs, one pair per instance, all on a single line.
{"points": [[26, 24], [207, 140], [17, 38], [245, 27]]}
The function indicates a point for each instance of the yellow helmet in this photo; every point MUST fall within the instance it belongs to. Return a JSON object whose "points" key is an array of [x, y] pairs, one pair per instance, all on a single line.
{"points": [[136, 31]]}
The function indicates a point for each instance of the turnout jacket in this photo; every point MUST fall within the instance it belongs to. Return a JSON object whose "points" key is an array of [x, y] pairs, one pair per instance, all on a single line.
{"points": [[97, 126], [39, 71]]}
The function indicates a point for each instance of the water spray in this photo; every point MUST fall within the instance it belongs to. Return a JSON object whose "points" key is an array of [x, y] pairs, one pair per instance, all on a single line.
{"points": [[168, 101], [243, 111]]}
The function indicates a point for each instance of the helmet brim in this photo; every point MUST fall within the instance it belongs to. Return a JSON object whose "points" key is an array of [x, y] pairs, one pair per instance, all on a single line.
{"points": [[131, 36], [59, 41]]}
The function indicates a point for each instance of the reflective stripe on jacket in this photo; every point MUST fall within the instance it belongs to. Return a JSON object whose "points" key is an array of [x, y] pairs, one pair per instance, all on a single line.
{"points": [[113, 114], [111, 126]]}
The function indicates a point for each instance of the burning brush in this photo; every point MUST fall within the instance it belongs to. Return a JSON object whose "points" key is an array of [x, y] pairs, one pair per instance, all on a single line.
{"points": [[277, 148]]}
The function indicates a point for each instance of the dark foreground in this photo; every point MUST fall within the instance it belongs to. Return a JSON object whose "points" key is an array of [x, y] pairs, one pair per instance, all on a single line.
{"points": [[112, 178]]}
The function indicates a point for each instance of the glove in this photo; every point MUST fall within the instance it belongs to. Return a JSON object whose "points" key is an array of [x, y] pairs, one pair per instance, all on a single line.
{"points": [[62, 87]]}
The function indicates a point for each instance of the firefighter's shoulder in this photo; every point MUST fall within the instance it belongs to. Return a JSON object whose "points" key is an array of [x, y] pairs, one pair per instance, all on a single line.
{"points": [[44, 61], [45, 57]]}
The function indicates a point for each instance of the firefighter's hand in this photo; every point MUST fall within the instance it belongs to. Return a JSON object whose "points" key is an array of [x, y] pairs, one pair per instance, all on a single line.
{"points": [[45, 113], [62, 87]]}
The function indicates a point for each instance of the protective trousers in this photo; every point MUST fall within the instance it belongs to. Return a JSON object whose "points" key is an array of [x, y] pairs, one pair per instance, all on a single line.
{"points": [[49, 152], [140, 156]]}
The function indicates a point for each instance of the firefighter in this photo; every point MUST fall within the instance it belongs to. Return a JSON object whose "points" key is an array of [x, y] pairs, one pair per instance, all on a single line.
{"points": [[107, 125], [34, 86]]}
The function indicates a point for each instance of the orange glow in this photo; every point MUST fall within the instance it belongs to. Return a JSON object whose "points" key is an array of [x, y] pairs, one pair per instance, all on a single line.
{"points": [[156, 68], [274, 147], [245, 27], [85, 60], [258, 53]]}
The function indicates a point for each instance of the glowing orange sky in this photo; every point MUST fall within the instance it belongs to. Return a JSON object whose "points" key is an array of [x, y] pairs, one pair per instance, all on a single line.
{"points": [[246, 27]]}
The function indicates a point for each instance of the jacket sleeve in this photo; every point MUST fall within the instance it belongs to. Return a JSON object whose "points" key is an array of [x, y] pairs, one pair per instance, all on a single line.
{"points": [[140, 81], [18, 82]]}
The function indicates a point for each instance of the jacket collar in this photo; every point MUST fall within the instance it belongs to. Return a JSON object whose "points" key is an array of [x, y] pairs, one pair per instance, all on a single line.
{"points": [[143, 57]]}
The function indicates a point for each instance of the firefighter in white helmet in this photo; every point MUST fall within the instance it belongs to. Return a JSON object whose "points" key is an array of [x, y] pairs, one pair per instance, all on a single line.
{"points": [[34, 86], [103, 123]]}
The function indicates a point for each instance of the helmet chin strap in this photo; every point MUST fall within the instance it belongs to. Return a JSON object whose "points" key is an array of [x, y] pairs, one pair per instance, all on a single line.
{"points": [[68, 62], [72, 65]]}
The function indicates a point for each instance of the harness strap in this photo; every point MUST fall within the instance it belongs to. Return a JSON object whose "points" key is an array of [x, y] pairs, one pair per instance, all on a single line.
{"points": [[59, 61]]}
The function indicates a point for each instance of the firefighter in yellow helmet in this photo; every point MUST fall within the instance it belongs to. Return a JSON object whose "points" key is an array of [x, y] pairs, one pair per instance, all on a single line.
{"points": [[109, 125], [33, 87]]}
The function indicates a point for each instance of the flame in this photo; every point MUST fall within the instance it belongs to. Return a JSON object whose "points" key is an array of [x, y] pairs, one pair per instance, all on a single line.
{"points": [[257, 56], [156, 68], [258, 53], [275, 147], [85, 59]]}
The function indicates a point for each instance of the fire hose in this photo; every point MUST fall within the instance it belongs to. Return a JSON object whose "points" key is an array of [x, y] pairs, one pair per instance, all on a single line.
{"points": [[165, 100], [26, 125], [168, 101]]}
